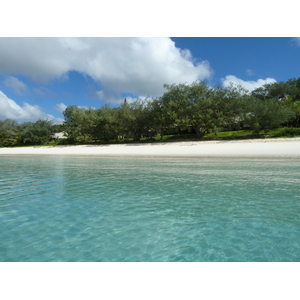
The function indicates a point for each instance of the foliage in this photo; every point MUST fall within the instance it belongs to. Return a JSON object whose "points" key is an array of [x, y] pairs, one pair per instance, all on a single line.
{"points": [[287, 132], [279, 90], [195, 108], [104, 123], [268, 113], [9, 128], [295, 106], [203, 109], [9, 132], [136, 119], [288, 91], [76, 122], [38, 132]]}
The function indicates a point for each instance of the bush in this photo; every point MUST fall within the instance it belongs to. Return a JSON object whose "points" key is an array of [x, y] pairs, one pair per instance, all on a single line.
{"points": [[7, 142], [39, 132], [288, 132]]}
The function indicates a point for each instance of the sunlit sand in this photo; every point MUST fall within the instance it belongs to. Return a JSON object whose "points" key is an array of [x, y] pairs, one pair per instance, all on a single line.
{"points": [[289, 147]]}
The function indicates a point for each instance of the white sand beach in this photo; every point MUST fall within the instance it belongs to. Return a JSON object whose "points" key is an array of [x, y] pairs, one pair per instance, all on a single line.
{"points": [[288, 148]]}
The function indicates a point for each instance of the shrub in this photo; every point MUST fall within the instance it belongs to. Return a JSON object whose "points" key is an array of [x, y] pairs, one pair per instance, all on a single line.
{"points": [[288, 132]]}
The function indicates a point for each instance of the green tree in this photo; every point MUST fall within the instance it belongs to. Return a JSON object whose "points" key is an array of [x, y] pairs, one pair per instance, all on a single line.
{"points": [[78, 122], [233, 102], [272, 90], [175, 105], [294, 89], [9, 128], [104, 123], [295, 106], [195, 106], [161, 120], [268, 113], [280, 90], [38, 132], [123, 118], [135, 119]]}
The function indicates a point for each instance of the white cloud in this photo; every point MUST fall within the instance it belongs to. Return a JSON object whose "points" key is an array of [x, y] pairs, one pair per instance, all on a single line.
{"points": [[16, 85], [248, 85], [39, 58], [60, 107], [9, 109], [121, 65], [86, 107], [58, 121]]}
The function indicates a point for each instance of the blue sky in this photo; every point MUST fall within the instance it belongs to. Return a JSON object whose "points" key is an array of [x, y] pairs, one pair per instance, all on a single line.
{"points": [[39, 77]]}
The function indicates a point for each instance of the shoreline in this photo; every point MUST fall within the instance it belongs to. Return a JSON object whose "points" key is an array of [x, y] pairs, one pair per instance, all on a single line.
{"points": [[273, 148]]}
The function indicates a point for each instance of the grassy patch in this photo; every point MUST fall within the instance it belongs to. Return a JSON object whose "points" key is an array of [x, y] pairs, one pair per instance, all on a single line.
{"points": [[287, 132], [234, 135]]}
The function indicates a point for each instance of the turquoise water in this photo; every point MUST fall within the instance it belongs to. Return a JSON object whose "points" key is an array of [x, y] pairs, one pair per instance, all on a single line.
{"points": [[147, 209]]}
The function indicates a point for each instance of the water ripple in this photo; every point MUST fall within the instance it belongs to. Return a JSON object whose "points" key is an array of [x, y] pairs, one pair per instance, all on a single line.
{"points": [[113, 209]]}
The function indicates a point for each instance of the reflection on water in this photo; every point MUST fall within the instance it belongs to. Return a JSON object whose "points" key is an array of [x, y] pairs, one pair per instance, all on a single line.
{"points": [[126, 209]]}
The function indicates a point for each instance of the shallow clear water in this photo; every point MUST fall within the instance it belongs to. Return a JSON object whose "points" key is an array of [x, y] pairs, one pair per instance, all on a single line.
{"points": [[146, 209]]}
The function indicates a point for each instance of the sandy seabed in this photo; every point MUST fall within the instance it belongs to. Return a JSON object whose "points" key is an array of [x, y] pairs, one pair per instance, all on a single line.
{"points": [[288, 148]]}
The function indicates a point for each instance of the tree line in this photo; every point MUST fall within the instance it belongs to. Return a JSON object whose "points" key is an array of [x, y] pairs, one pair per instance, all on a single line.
{"points": [[13, 133], [195, 108]]}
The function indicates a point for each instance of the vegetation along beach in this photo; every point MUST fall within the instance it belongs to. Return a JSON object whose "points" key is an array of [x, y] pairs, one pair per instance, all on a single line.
{"points": [[184, 112]]}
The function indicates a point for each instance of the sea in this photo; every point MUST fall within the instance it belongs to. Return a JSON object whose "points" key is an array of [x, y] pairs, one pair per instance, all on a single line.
{"points": [[149, 209]]}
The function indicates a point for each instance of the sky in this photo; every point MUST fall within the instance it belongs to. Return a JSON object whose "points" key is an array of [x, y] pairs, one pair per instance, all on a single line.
{"points": [[40, 77]]}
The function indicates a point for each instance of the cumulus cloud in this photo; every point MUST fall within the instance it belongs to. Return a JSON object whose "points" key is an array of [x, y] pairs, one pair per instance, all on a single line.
{"points": [[248, 85], [16, 85], [9, 109], [121, 65], [39, 58], [60, 107]]}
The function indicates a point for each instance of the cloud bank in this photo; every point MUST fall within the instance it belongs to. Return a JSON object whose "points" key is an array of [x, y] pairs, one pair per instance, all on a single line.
{"points": [[248, 85], [9, 109], [139, 66]]}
